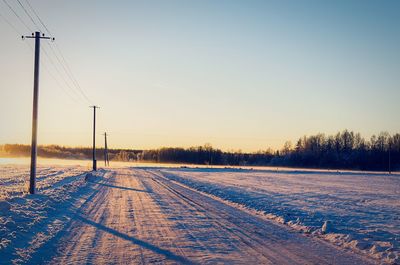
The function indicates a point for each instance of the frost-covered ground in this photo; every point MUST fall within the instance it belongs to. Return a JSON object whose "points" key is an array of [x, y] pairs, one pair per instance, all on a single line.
{"points": [[164, 215], [14, 179], [27, 221], [362, 210]]}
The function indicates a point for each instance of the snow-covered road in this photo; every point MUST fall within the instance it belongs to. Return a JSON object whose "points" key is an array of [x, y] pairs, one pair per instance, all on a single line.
{"points": [[137, 216]]}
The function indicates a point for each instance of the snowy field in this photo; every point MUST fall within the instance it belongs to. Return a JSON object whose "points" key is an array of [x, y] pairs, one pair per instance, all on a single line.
{"points": [[361, 210], [27, 221], [167, 215]]}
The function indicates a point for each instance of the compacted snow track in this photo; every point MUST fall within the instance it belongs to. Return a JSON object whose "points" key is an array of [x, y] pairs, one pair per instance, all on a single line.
{"points": [[137, 216]]}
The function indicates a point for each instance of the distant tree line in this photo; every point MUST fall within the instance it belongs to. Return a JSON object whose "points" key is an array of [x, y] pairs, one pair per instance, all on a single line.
{"points": [[344, 150], [205, 155]]}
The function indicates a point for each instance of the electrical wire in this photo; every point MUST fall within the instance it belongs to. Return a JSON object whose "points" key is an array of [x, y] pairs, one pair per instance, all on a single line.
{"points": [[59, 85], [16, 14], [64, 65], [44, 66], [59, 72], [10, 24], [63, 62], [29, 15], [37, 16], [16, 30], [70, 75]]}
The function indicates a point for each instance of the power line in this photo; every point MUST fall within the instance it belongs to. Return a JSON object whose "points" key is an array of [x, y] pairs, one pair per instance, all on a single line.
{"points": [[73, 88], [73, 77], [69, 74], [11, 25], [16, 14], [16, 30], [45, 67], [59, 72], [60, 86], [65, 67], [62, 61], [38, 36], [26, 12], [37, 16]]}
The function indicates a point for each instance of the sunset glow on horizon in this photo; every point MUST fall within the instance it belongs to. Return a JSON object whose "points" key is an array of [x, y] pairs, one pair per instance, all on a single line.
{"points": [[180, 74]]}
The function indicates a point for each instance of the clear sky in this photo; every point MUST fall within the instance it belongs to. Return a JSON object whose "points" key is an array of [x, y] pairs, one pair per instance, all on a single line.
{"points": [[237, 74]]}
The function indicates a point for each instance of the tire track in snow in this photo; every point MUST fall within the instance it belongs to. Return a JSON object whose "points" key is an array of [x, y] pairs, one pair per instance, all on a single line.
{"points": [[140, 217], [316, 253], [103, 232], [160, 227], [250, 240]]}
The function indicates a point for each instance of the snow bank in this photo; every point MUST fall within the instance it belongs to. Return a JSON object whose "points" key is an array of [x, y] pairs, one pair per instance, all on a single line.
{"points": [[351, 210], [28, 222]]}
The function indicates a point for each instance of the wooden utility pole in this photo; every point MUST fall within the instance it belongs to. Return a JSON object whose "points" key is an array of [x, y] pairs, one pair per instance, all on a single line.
{"points": [[106, 160], [94, 138], [37, 36]]}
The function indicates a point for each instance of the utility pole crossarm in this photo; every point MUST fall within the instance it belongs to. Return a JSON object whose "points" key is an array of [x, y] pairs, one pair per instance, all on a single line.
{"points": [[37, 35]]}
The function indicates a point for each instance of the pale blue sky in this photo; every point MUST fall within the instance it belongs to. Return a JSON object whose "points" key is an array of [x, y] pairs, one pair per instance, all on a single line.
{"points": [[237, 74]]}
